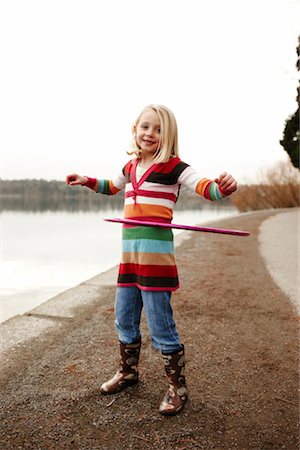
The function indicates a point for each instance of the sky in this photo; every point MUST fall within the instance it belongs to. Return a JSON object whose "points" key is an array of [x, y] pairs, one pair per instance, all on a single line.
{"points": [[75, 74]]}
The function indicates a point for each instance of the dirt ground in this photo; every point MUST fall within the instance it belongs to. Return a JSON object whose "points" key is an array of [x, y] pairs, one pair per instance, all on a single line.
{"points": [[241, 339]]}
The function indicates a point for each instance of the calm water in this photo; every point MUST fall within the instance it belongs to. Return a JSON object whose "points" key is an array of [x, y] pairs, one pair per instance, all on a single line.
{"points": [[46, 253]]}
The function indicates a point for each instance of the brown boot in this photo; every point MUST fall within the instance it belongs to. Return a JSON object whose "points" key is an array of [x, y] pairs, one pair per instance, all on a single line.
{"points": [[177, 394], [127, 375]]}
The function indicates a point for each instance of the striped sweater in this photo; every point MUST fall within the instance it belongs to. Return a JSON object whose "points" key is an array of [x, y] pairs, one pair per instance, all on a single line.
{"points": [[148, 260]]}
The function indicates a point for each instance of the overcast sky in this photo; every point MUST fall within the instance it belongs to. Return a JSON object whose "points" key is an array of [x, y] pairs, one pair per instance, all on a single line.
{"points": [[76, 73]]}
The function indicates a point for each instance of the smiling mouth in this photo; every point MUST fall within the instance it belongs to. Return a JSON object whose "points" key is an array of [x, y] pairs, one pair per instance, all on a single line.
{"points": [[148, 142]]}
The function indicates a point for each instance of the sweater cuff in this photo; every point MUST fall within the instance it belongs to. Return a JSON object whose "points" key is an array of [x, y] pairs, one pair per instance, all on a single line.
{"points": [[91, 183]]}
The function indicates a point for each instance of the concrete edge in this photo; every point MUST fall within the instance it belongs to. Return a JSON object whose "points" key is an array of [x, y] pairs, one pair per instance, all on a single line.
{"points": [[21, 328], [280, 235]]}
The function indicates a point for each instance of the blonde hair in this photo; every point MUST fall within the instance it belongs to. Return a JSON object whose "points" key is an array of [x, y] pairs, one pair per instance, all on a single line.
{"points": [[168, 146]]}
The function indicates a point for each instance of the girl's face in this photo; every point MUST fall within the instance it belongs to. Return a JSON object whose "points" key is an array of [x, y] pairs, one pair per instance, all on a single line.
{"points": [[148, 133]]}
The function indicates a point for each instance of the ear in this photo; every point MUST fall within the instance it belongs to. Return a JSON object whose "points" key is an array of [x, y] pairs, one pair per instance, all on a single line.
{"points": [[133, 129]]}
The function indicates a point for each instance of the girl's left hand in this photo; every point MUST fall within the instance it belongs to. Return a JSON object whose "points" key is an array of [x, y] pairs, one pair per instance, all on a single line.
{"points": [[227, 183]]}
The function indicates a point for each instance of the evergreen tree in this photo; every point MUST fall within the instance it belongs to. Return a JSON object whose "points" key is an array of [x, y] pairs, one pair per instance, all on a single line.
{"points": [[291, 134]]}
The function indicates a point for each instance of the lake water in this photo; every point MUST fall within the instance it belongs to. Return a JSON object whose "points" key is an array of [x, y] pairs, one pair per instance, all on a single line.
{"points": [[46, 253]]}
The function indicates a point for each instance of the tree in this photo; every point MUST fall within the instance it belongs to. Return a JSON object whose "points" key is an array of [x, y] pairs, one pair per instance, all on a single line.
{"points": [[291, 134]]}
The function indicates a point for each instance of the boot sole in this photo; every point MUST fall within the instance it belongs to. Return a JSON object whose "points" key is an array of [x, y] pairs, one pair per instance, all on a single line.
{"points": [[120, 388], [174, 412]]}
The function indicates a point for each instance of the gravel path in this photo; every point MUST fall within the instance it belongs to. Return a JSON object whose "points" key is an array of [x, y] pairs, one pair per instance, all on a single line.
{"points": [[241, 338]]}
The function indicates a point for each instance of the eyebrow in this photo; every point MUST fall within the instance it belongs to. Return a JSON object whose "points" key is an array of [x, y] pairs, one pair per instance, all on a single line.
{"points": [[148, 123]]}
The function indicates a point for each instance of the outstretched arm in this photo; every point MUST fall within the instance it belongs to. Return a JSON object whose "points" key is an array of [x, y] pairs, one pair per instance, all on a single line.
{"points": [[107, 187], [221, 187]]}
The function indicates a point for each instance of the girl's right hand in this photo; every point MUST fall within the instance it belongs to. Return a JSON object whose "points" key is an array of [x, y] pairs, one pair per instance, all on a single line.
{"points": [[74, 179]]}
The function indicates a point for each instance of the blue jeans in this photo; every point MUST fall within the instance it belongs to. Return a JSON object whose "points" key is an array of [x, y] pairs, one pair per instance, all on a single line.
{"points": [[159, 315]]}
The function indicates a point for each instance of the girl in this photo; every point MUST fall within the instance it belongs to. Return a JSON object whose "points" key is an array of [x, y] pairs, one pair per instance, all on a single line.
{"points": [[147, 272]]}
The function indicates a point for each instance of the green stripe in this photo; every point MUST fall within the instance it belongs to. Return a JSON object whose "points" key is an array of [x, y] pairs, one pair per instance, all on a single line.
{"points": [[103, 187], [148, 233], [106, 187], [214, 192]]}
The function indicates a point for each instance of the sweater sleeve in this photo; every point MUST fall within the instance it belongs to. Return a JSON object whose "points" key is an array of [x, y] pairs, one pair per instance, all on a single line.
{"points": [[111, 187], [203, 186]]}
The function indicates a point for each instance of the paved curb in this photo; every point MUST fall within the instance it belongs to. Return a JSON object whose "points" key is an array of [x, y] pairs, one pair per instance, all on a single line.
{"points": [[279, 246]]}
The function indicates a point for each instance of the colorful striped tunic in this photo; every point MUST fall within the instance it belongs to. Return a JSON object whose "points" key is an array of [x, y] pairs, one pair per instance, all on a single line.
{"points": [[148, 260]]}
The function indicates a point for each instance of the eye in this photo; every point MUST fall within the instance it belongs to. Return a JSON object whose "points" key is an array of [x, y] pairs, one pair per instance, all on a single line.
{"points": [[158, 130]]}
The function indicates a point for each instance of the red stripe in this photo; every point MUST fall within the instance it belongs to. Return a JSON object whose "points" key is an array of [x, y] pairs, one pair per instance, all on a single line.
{"points": [[146, 219], [91, 183], [143, 270], [127, 168], [206, 191], [166, 195], [148, 288], [167, 167]]}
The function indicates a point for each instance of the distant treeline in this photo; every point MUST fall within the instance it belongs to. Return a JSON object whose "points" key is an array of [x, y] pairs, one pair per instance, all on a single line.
{"points": [[43, 195]]}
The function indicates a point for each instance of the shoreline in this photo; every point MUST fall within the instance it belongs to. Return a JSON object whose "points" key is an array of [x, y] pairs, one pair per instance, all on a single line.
{"points": [[22, 327]]}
